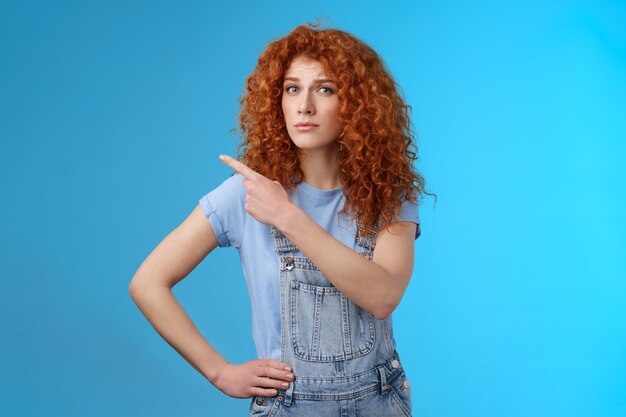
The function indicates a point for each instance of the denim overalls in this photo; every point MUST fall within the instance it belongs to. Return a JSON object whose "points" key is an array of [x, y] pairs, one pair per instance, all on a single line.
{"points": [[342, 356]]}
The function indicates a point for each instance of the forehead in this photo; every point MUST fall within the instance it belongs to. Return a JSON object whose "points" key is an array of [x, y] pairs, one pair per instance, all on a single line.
{"points": [[305, 66]]}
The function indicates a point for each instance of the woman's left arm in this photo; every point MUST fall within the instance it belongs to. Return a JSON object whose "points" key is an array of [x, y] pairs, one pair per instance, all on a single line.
{"points": [[375, 285]]}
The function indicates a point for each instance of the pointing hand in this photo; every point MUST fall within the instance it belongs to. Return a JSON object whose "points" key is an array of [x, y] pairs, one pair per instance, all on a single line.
{"points": [[266, 200]]}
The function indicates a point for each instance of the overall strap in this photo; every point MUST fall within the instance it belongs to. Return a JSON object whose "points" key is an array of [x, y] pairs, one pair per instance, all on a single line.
{"points": [[363, 239], [283, 245]]}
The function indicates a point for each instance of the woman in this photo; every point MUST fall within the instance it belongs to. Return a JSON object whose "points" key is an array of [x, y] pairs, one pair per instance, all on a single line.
{"points": [[323, 211]]}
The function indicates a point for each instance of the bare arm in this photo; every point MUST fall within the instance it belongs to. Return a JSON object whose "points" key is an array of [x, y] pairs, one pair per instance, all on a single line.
{"points": [[151, 289]]}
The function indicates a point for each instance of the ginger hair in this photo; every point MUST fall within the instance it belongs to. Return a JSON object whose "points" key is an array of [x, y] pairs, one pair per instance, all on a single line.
{"points": [[376, 149]]}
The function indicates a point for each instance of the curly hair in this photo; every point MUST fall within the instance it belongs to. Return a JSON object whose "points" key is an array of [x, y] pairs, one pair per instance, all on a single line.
{"points": [[376, 149]]}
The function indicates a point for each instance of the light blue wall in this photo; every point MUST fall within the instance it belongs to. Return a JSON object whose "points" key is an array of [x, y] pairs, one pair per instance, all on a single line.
{"points": [[112, 115]]}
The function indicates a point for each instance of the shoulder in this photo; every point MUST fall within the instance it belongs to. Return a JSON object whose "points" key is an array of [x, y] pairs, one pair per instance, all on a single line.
{"points": [[230, 189], [233, 183], [409, 209]]}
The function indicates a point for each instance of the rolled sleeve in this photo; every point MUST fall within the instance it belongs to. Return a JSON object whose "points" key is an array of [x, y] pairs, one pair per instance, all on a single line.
{"points": [[409, 212], [216, 223], [224, 206]]}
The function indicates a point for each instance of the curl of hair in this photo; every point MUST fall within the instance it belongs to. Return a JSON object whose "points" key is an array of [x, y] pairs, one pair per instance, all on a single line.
{"points": [[376, 149]]}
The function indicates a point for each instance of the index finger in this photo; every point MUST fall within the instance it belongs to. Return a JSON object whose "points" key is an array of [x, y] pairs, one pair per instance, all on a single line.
{"points": [[238, 166]]}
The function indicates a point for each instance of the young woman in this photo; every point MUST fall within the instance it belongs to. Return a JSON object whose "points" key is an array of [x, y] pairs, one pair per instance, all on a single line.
{"points": [[323, 209]]}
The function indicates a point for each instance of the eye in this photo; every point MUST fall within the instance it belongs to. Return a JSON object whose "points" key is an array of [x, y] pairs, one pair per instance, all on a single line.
{"points": [[291, 89], [326, 90]]}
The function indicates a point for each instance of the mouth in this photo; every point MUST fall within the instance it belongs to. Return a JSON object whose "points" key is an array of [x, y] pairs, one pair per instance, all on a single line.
{"points": [[304, 127]]}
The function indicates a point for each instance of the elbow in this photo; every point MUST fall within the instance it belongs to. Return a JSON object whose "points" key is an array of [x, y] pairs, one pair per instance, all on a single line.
{"points": [[388, 300], [136, 288], [384, 310], [144, 286], [386, 305], [133, 289], [381, 314]]}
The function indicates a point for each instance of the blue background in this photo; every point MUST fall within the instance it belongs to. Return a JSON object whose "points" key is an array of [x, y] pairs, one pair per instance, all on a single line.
{"points": [[113, 114]]}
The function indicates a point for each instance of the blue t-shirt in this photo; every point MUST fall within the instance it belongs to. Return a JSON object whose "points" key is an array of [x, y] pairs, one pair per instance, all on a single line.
{"points": [[233, 226]]}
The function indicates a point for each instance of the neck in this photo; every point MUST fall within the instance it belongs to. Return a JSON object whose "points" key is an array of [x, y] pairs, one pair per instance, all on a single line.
{"points": [[321, 168]]}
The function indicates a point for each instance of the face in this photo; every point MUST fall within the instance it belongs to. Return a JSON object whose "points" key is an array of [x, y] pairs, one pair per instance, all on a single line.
{"points": [[310, 105]]}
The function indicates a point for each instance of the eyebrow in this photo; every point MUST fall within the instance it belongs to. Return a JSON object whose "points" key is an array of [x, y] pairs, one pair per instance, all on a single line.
{"points": [[318, 81]]}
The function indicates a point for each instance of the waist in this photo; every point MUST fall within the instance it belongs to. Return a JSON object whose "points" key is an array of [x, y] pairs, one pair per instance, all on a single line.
{"points": [[343, 387]]}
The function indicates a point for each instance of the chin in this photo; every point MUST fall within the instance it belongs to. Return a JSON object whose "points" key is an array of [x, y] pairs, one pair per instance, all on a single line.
{"points": [[311, 142], [311, 146]]}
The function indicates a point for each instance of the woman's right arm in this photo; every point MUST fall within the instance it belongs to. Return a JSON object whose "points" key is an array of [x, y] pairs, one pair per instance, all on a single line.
{"points": [[151, 289]]}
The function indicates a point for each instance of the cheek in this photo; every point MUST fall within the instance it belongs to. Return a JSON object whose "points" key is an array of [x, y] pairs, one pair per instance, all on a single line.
{"points": [[333, 113], [333, 117], [285, 107]]}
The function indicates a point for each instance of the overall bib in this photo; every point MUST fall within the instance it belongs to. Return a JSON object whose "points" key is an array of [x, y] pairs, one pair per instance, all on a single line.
{"points": [[342, 356]]}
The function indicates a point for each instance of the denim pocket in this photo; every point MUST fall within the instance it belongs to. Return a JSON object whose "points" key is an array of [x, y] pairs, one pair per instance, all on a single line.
{"points": [[326, 326]]}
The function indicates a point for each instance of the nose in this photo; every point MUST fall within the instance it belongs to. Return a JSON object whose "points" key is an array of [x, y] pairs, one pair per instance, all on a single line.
{"points": [[306, 105]]}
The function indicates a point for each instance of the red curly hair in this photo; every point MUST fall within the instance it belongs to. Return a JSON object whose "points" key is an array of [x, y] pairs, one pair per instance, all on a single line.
{"points": [[376, 150]]}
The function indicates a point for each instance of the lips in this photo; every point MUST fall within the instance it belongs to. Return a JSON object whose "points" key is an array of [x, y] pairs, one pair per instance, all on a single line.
{"points": [[306, 128]]}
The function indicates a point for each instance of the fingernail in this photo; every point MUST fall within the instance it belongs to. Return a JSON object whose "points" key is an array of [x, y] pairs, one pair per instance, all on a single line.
{"points": [[287, 368], [290, 376], [221, 157], [285, 384]]}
